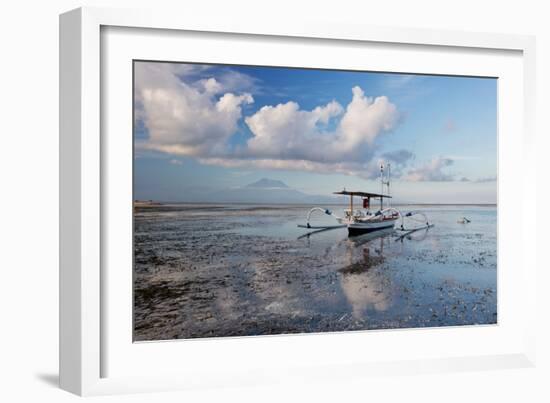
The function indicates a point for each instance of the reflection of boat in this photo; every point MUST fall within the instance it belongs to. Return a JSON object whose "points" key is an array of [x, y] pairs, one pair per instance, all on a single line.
{"points": [[365, 220], [365, 287], [361, 239]]}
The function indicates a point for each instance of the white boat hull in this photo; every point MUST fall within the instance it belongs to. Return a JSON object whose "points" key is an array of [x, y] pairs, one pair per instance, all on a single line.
{"points": [[362, 227]]}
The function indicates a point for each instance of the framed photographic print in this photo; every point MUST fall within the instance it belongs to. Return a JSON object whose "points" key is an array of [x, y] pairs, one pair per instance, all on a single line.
{"points": [[233, 165], [234, 201]]}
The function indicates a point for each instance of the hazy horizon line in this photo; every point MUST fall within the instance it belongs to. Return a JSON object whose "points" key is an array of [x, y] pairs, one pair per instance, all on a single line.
{"points": [[309, 203]]}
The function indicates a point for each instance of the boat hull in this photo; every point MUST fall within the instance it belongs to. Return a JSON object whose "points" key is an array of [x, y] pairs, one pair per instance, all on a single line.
{"points": [[358, 228]]}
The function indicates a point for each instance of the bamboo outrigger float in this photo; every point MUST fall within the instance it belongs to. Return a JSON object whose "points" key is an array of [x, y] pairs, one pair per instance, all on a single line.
{"points": [[363, 220]]}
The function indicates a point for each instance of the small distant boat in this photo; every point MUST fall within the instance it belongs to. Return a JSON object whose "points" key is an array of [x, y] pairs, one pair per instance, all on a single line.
{"points": [[463, 220], [363, 220]]}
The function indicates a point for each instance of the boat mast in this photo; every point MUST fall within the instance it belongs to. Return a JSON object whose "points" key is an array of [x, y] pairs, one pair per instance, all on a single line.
{"points": [[384, 182], [389, 176], [381, 185]]}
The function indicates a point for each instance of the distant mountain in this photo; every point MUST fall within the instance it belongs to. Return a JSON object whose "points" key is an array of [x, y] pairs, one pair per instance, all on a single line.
{"points": [[268, 184], [269, 191]]}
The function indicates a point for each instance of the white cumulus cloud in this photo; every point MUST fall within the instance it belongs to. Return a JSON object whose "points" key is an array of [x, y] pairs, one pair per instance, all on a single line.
{"points": [[287, 132], [182, 119], [187, 112]]}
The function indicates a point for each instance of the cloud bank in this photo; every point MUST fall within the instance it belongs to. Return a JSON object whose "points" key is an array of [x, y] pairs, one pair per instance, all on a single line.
{"points": [[432, 171], [182, 119], [199, 119], [189, 113]]}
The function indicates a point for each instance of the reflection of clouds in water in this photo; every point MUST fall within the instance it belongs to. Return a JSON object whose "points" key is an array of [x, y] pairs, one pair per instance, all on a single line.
{"points": [[226, 303], [362, 283], [275, 292], [363, 292]]}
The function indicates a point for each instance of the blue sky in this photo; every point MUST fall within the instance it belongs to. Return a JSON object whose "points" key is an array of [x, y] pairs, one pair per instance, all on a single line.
{"points": [[202, 128]]}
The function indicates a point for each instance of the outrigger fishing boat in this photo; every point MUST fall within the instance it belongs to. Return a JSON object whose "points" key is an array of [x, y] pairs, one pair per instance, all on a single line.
{"points": [[364, 220], [361, 221]]}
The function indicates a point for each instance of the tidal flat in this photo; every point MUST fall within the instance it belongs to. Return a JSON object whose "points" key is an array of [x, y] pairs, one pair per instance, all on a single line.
{"points": [[207, 270]]}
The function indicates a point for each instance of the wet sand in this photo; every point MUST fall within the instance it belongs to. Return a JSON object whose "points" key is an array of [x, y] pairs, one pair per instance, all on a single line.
{"points": [[238, 270]]}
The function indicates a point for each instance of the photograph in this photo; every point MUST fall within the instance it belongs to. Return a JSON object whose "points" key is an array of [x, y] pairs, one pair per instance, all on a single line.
{"points": [[277, 200]]}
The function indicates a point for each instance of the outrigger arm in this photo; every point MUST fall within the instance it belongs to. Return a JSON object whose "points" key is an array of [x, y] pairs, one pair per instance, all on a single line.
{"points": [[327, 212], [405, 231]]}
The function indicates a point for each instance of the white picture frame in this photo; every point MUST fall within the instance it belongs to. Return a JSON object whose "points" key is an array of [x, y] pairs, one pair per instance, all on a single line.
{"points": [[85, 343]]}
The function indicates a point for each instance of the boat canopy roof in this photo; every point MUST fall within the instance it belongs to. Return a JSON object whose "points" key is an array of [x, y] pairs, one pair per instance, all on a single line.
{"points": [[362, 194]]}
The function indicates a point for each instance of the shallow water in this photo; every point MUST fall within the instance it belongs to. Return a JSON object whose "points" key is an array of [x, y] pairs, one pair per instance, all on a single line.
{"points": [[212, 271]]}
